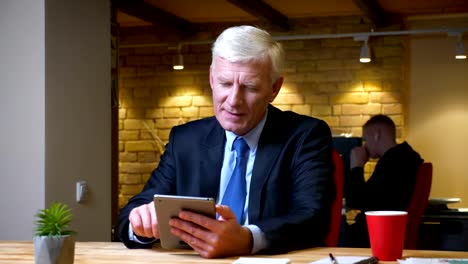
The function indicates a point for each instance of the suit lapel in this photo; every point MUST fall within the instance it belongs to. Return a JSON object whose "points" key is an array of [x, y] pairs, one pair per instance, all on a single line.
{"points": [[211, 161], [270, 145]]}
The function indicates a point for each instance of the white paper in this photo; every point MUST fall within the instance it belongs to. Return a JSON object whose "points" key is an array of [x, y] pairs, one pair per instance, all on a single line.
{"points": [[248, 260], [340, 260], [433, 261]]}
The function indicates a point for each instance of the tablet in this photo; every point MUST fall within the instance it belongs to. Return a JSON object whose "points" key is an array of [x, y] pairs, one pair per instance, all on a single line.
{"points": [[169, 206]]}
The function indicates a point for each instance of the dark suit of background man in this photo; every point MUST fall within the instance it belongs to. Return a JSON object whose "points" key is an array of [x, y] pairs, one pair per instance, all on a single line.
{"points": [[289, 172], [392, 183]]}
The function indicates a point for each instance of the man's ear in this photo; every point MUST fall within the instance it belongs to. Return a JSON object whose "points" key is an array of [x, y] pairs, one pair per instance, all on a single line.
{"points": [[211, 77], [276, 87]]}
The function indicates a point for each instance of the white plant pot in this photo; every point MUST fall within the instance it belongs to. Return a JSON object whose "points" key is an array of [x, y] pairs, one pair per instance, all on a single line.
{"points": [[54, 249]]}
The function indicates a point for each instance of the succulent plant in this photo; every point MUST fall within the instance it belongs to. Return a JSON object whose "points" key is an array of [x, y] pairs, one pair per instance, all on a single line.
{"points": [[54, 221]]}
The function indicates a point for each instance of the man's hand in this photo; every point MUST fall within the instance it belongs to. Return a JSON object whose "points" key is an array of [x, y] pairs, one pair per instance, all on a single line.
{"points": [[359, 156], [213, 238], [144, 222]]}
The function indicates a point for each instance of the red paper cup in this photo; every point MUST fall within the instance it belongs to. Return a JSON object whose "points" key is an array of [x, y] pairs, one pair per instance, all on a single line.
{"points": [[386, 233]]}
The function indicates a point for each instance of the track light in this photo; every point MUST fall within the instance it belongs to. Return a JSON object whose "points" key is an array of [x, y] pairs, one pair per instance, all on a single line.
{"points": [[178, 63], [365, 56], [460, 50], [365, 53]]}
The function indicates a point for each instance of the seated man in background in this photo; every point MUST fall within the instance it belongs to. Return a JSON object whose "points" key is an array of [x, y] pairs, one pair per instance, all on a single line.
{"points": [[390, 186], [287, 182]]}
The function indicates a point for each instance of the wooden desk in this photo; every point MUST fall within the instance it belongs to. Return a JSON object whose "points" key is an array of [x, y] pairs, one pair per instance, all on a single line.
{"points": [[12, 252]]}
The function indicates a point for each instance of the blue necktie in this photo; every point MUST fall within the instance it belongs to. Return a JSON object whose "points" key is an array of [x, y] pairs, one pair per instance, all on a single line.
{"points": [[235, 193]]}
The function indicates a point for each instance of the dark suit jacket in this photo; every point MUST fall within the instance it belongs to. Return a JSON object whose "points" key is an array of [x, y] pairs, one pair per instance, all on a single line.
{"points": [[291, 186]]}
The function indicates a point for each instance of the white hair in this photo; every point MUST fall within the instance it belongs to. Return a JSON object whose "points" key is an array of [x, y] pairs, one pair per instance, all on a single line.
{"points": [[248, 43]]}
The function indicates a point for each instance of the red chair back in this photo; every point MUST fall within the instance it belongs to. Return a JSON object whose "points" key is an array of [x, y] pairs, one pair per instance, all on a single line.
{"points": [[333, 235], [418, 204]]}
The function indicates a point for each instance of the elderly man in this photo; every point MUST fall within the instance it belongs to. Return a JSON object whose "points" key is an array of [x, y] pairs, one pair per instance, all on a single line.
{"points": [[286, 180]]}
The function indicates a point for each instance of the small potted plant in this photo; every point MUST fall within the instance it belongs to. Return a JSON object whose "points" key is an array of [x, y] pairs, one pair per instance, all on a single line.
{"points": [[53, 241]]}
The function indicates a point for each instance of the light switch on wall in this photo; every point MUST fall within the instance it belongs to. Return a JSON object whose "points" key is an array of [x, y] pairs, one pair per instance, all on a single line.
{"points": [[81, 190]]}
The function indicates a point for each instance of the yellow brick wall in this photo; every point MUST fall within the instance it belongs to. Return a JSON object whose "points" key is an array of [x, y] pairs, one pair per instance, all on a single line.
{"points": [[323, 78]]}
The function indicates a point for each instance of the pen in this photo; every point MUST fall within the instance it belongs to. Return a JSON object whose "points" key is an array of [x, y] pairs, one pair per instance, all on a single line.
{"points": [[333, 259], [371, 260]]}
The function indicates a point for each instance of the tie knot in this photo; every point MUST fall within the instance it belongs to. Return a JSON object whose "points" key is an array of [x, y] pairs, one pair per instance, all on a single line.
{"points": [[240, 146]]}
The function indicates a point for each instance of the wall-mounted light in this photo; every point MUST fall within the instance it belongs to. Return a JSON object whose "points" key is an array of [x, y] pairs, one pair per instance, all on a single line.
{"points": [[178, 62], [365, 55]]}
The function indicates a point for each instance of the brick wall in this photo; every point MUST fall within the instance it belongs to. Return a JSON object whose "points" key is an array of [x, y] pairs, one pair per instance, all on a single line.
{"points": [[323, 78]]}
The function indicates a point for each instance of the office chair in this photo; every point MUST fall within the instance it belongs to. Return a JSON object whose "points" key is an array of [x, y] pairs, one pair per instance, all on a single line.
{"points": [[331, 240], [418, 204]]}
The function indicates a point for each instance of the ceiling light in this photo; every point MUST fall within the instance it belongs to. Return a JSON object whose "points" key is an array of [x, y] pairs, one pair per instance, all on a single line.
{"points": [[365, 53], [365, 56], [460, 50], [178, 63]]}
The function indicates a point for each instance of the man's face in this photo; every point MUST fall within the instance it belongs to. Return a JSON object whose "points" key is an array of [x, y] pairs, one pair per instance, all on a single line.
{"points": [[241, 93]]}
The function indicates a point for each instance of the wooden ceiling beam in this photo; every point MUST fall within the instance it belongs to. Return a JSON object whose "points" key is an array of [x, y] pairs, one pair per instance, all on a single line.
{"points": [[263, 11], [374, 15], [156, 16]]}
